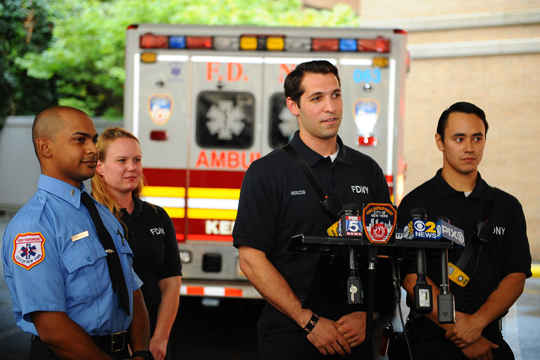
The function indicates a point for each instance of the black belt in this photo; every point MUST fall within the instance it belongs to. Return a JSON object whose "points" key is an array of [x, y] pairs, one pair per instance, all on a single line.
{"points": [[109, 343], [114, 342]]}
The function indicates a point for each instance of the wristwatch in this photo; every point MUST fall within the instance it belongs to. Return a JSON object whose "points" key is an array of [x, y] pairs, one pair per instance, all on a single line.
{"points": [[147, 355]]}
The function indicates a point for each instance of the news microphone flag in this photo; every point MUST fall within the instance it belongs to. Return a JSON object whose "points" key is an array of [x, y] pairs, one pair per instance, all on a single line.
{"points": [[450, 232], [353, 226], [430, 230]]}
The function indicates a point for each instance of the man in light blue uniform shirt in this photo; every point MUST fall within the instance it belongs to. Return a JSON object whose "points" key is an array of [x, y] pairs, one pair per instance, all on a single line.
{"points": [[54, 262]]}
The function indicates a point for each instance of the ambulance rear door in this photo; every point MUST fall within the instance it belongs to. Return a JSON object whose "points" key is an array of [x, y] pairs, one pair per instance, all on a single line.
{"points": [[225, 139]]}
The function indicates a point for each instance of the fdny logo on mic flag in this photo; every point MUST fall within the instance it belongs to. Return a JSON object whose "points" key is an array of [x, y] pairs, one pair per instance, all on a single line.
{"points": [[379, 222], [160, 107], [28, 250]]}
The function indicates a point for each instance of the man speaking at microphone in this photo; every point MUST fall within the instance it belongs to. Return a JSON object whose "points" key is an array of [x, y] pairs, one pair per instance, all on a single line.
{"points": [[277, 202], [499, 259]]}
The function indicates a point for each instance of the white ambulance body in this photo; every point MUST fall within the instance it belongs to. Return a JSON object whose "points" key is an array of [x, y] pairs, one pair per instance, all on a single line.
{"points": [[206, 101]]}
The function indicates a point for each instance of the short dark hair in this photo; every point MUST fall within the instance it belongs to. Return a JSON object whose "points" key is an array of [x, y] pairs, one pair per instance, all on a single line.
{"points": [[462, 107], [48, 122], [293, 81]]}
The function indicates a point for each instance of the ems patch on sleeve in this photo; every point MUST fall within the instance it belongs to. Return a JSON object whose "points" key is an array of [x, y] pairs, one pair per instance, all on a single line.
{"points": [[28, 250]]}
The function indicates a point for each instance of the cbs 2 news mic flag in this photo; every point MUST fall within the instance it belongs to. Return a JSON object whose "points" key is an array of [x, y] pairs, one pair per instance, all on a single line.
{"points": [[430, 230]]}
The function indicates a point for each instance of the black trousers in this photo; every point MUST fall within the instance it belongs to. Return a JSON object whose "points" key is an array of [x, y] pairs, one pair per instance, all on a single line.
{"points": [[41, 351], [440, 348], [281, 338], [428, 342]]}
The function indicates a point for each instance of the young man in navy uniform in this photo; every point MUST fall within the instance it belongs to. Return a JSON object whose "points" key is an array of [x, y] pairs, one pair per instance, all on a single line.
{"points": [[497, 268], [54, 263], [277, 202]]}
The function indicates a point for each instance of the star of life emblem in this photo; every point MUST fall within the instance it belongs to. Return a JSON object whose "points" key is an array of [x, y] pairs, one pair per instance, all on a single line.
{"points": [[28, 250], [225, 120]]}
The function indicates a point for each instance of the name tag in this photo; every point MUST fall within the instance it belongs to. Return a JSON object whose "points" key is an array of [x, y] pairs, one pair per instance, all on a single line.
{"points": [[79, 236]]}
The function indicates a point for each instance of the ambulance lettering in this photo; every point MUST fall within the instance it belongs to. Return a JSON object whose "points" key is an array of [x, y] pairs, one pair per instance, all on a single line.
{"points": [[226, 159], [233, 72], [367, 76], [284, 70], [219, 227]]}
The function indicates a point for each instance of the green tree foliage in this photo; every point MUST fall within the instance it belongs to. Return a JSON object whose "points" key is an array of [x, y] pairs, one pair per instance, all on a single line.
{"points": [[86, 58], [24, 29]]}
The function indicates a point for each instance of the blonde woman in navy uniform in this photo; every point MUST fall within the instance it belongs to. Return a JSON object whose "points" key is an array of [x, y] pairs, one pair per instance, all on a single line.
{"points": [[149, 230]]}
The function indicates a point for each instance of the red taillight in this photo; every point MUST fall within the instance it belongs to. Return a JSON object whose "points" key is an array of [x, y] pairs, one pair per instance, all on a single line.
{"points": [[180, 237], [400, 31], [367, 141], [198, 42], [133, 27], [159, 135], [390, 182], [150, 41], [325, 45], [380, 45]]}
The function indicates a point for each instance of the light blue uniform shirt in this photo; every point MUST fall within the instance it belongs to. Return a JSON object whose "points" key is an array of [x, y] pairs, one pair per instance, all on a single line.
{"points": [[54, 261]]}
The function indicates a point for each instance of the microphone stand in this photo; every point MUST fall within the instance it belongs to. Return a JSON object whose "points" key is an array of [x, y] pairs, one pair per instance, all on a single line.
{"points": [[341, 246], [372, 260]]}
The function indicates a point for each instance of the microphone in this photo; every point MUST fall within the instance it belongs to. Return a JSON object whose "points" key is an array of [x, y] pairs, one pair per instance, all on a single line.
{"points": [[449, 232], [349, 223], [445, 300], [484, 231], [421, 228], [423, 294]]}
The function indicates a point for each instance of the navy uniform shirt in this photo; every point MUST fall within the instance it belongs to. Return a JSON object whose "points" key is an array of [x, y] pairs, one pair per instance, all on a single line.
{"points": [[54, 261], [508, 251], [152, 238], [277, 202]]}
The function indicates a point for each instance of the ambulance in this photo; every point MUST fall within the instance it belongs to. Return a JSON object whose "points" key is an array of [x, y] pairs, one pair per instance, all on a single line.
{"points": [[207, 101]]}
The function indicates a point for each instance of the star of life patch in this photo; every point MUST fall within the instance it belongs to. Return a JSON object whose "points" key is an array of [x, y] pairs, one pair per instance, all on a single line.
{"points": [[28, 250]]}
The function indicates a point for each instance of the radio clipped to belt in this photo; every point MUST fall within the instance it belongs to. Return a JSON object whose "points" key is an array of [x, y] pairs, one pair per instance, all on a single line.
{"points": [[483, 235]]}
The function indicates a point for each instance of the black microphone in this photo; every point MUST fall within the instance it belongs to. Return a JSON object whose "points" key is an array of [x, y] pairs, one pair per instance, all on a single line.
{"points": [[350, 224], [342, 227], [445, 300], [423, 294]]}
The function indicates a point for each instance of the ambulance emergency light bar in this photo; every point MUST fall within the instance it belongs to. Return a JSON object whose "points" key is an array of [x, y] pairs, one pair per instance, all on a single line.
{"points": [[265, 43]]}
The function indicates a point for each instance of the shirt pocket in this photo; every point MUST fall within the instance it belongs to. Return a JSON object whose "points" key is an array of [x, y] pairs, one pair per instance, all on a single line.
{"points": [[87, 275], [123, 246], [126, 258]]}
